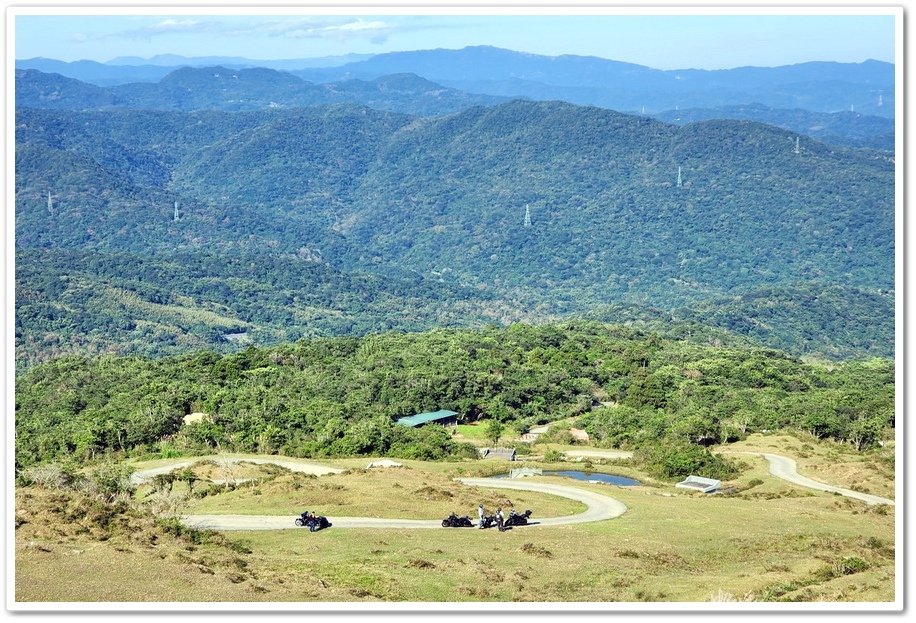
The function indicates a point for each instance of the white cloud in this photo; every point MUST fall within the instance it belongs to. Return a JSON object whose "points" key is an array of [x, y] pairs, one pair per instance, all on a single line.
{"points": [[359, 26], [315, 28], [340, 28], [169, 26]]}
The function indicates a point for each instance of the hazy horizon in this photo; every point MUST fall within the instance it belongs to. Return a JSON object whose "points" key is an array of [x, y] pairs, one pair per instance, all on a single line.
{"points": [[666, 42], [356, 55]]}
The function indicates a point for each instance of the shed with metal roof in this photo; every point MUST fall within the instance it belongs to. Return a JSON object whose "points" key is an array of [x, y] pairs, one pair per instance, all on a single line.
{"points": [[442, 416]]}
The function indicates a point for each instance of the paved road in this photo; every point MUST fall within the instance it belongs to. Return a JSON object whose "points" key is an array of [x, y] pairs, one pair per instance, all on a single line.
{"points": [[599, 508], [785, 468], [600, 454]]}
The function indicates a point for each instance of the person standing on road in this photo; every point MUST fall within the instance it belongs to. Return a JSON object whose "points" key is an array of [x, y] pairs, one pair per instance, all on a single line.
{"points": [[480, 513], [499, 518]]}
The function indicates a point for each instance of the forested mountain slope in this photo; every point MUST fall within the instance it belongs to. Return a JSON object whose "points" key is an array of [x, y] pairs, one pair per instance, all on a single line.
{"points": [[442, 201], [257, 88], [607, 212], [76, 302], [847, 128]]}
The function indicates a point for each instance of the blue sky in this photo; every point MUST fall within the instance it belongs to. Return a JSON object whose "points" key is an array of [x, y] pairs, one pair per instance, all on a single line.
{"points": [[664, 42]]}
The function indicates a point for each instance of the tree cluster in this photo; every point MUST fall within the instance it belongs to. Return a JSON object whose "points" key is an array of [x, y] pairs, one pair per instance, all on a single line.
{"points": [[342, 396]]}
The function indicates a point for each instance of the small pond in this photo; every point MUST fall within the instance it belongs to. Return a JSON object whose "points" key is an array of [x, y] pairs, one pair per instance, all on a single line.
{"points": [[610, 479]]}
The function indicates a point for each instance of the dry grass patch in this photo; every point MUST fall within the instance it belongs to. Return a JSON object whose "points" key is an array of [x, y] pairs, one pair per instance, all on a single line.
{"points": [[390, 493], [669, 549], [830, 462], [72, 548]]}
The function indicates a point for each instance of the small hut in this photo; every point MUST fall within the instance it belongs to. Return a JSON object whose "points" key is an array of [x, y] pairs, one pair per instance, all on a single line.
{"points": [[698, 483], [191, 418], [383, 463], [507, 454], [443, 417]]}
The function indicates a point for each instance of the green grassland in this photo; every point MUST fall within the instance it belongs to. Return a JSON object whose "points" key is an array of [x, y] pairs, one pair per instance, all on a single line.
{"points": [[768, 540], [474, 433]]}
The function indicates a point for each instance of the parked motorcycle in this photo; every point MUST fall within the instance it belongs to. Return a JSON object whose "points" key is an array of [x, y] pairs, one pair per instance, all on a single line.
{"points": [[454, 521], [517, 519], [313, 522]]}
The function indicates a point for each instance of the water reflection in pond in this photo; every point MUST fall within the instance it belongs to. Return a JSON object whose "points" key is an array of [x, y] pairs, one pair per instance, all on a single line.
{"points": [[611, 479]]}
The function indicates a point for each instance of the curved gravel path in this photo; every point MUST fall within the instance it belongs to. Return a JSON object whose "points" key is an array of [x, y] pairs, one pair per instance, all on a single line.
{"points": [[785, 468], [599, 454], [599, 508]]}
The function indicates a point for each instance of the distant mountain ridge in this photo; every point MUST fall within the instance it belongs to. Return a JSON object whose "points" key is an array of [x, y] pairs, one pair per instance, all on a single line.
{"points": [[841, 128], [236, 62], [816, 86], [222, 88], [127, 69]]}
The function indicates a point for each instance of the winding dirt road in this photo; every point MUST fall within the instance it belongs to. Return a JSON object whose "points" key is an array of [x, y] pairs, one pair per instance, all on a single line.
{"points": [[599, 454], [598, 507], [785, 468]]}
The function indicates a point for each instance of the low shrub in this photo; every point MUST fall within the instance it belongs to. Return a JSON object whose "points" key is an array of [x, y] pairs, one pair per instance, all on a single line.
{"points": [[682, 460], [553, 456]]}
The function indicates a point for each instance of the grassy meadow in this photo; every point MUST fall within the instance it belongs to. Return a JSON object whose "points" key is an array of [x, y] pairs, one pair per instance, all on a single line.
{"points": [[766, 541], [404, 492]]}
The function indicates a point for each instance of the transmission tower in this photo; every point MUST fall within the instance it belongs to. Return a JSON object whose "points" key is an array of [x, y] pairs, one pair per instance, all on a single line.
{"points": [[680, 182], [527, 216]]}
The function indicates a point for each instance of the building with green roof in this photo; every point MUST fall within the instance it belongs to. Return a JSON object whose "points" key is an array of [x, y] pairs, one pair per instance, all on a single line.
{"points": [[442, 416]]}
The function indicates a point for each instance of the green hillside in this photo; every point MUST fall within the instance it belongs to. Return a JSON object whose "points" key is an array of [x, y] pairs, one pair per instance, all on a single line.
{"points": [[81, 302], [442, 202], [340, 396], [235, 89], [607, 216], [847, 128]]}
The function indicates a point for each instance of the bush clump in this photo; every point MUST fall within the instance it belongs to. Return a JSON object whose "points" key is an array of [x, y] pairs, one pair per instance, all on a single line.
{"points": [[553, 456], [682, 460]]}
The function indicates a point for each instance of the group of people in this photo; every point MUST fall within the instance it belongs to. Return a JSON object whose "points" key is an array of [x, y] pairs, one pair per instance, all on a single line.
{"points": [[500, 522]]}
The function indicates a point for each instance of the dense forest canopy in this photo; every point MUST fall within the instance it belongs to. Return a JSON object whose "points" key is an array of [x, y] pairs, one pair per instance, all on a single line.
{"points": [[341, 396], [342, 197]]}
